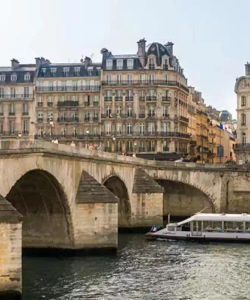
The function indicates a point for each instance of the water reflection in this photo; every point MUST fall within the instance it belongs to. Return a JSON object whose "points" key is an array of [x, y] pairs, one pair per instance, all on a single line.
{"points": [[144, 270]]}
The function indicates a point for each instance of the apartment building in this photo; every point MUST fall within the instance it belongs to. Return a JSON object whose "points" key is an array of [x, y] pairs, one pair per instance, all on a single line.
{"points": [[17, 100], [242, 89]]}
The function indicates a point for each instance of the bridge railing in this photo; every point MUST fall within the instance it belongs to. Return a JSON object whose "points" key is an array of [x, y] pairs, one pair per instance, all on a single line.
{"points": [[19, 146]]}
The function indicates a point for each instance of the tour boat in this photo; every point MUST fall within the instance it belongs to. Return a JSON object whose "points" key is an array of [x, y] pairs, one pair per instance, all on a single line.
{"points": [[207, 227]]}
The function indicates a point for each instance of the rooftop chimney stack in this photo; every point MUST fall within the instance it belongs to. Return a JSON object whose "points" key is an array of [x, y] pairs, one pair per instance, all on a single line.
{"points": [[247, 68], [142, 51], [14, 63]]}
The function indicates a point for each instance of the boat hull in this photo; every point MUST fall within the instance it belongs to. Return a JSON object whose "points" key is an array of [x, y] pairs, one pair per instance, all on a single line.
{"points": [[204, 238]]}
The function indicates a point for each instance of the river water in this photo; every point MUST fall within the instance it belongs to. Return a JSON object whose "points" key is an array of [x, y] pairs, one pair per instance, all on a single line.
{"points": [[143, 270]]}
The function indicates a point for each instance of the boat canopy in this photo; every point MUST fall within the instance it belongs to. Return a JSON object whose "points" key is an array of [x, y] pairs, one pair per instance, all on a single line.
{"points": [[217, 217]]}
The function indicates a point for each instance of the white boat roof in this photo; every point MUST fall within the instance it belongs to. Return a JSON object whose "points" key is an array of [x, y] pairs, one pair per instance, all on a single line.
{"points": [[217, 217]]}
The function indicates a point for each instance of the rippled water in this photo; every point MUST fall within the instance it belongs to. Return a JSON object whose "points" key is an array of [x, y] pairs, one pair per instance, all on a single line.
{"points": [[144, 270]]}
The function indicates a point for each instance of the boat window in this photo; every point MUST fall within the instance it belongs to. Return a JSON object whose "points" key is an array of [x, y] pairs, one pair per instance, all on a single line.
{"points": [[248, 226], [212, 226], [197, 226], [233, 226], [171, 228]]}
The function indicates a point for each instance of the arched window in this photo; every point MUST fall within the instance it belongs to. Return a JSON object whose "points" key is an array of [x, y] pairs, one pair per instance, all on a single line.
{"points": [[243, 100], [243, 119]]}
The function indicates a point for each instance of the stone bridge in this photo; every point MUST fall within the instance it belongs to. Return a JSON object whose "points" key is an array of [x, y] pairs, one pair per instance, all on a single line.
{"points": [[74, 198]]}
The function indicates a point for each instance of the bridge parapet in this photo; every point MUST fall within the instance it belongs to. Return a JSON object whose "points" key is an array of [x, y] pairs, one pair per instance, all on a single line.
{"points": [[34, 146]]}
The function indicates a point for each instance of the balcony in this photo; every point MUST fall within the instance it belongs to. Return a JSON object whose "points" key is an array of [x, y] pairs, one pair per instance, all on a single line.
{"points": [[129, 98], [67, 103], [141, 98], [12, 113], [146, 83], [87, 103], [141, 116], [151, 116], [68, 88], [40, 104], [25, 113], [86, 119], [242, 147], [39, 120], [95, 119], [151, 98], [165, 116], [68, 120], [95, 103], [107, 98], [16, 96], [118, 98], [50, 119], [166, 99], [49, 104]]}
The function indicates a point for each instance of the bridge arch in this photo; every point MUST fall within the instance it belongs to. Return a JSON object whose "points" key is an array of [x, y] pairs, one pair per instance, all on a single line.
{"points": [[182, 199], [40, 198], [117, 186]]}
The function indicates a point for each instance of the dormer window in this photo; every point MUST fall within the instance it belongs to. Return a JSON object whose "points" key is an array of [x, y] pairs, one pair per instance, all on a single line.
{"points": [[53, 71], [90, 70], [77, 70], [13, 77], [151, 63], [27, 77], [66, 71], [130, 63], [44, 70], [2, 77], [119, 64], [109, 64]]}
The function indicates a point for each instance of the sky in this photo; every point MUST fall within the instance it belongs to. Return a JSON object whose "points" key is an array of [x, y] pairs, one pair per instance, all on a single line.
{"points": [[211, 37]]}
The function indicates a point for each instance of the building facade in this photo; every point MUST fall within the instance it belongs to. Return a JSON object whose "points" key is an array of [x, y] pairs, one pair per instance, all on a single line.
{"points": [[242, 89], [137, 104]]}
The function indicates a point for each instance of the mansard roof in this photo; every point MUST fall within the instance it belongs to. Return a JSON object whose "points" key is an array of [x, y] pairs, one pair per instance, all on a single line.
{"points": [[58, 70], [20, 73], [158, 50]]}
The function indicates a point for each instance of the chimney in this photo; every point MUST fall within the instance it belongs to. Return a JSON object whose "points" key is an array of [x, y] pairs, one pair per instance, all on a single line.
{"points": [[14, 63], [142, 51], [87, 61], [247, 69], [169, 47]]}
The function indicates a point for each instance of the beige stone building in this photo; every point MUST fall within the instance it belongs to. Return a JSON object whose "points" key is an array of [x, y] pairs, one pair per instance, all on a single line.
{"points": [[242, 89], [137, 104], [17, 100]]}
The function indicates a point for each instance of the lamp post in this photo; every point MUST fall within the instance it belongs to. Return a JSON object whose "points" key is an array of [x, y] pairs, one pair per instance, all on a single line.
{"points": [[87, 132]]}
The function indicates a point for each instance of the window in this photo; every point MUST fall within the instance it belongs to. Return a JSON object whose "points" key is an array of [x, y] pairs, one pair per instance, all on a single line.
{"points": [[152, 93], [13, 77], [244, 138], [151, 78], [12, 108], [141, 146], [109, 64], [26, 92], [1, 127], [130, 63], [108, 128], [243, 119], [151, 63], [119, 64], [12, 92], [108, 112], [119, 128], [44, 71], [1, 109], [164, 127], [27, 77], [129, 111], [166, 146], [25, 126], [129, 146], [77, 70], [165, 77], [142, 128], [66, 71], [1, 92], [2, 77], [130, 78], [53, 71], [129, 129], [151, 112], [118, 110], [151, 146], [25, 108], [165, 111], [119, 79], [50, 116], [243, 101], [11, 127], [108, 78], [39, 116], [151, 128]]}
